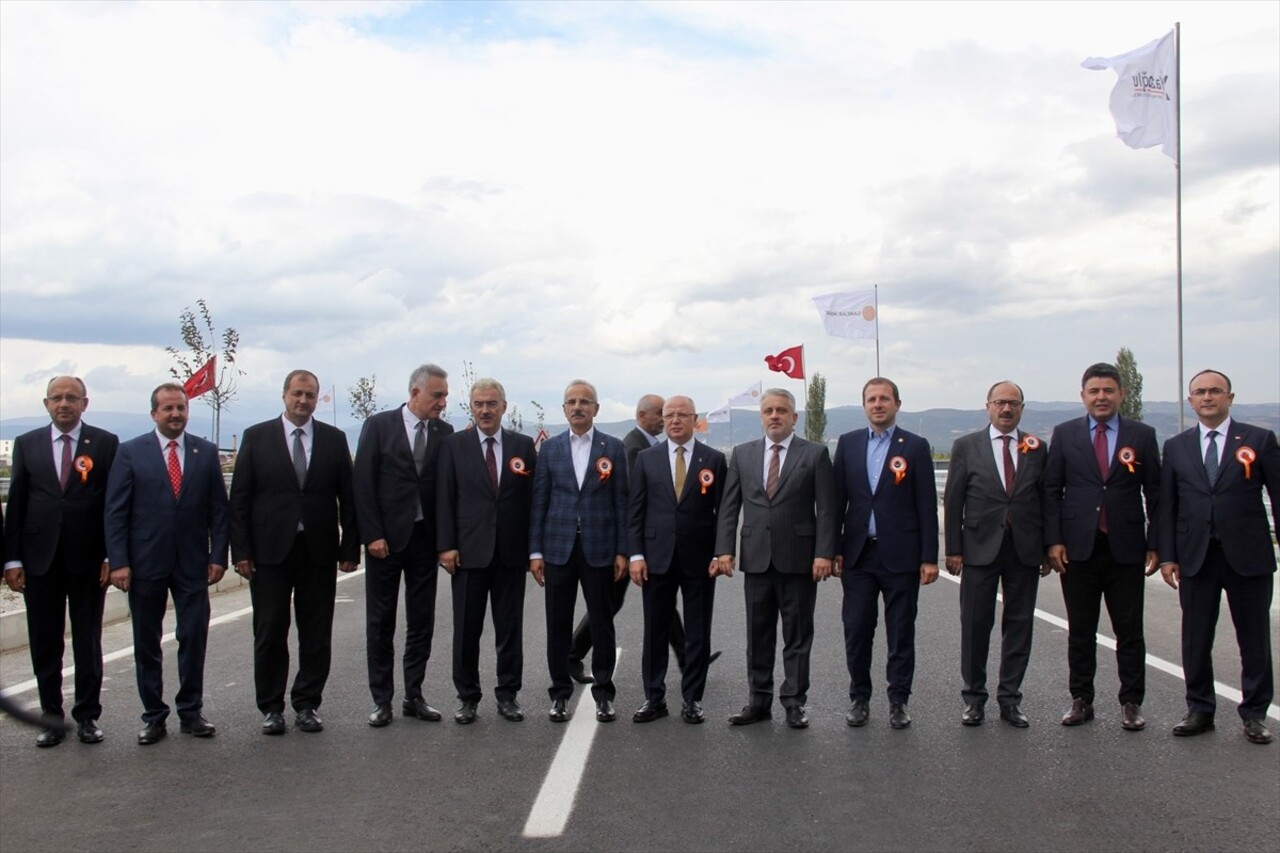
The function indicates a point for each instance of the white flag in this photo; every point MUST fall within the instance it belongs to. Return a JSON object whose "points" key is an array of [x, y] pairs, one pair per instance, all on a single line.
{"points": [[849, 315], [720, 415], [749, 397], [1143, 103]]}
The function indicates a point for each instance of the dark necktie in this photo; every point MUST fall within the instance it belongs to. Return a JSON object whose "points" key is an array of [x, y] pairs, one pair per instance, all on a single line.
{"points": [[175, 468], [1104, 467], [1211, 458], [420, 445], [775, 466], [299, 457], [1008, 465], [681, 472], [64, 476], [491, 462]]}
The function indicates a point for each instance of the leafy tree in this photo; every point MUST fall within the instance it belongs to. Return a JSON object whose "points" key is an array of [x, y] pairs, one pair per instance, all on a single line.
{"points": [[464, 397], [815, 409], [202, 342], [542, 415], [363, 397], [1131, 382], [515, 420]]}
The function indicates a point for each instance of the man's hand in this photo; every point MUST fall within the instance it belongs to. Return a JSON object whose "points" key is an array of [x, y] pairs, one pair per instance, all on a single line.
{"points": [[449, 559], [1172, 573], [725, 564], [215, 573], [928, 573], [955, 564], [347, 566], [244, 568], [837, 569], [104, 575], [1153, 563], [378, 549], [1058, 558], [639, 572], [120, 578], [538, 569], [620, 564], [821, 568], [16, 579]]}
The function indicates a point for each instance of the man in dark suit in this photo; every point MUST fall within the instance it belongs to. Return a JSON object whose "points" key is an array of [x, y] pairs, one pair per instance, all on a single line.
{"points": [[675, 494], [887, 501], [166, 529], [782, 485], [578, 535], [1101, 470], [995, 535], [293, 519], [483, 499], [54, 550], [1214, 537], [645, 435], [395, 486]]}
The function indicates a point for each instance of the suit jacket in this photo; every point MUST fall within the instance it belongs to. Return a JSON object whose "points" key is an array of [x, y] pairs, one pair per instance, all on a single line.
{"points": [[976, 505], [661, 525], [635, 442], [267, 503], [470, 517], [388, 487], [1074, 490], [40, 512], [794, 528], [152, 532], [906, 511], [560, 508], [1232, 507]]}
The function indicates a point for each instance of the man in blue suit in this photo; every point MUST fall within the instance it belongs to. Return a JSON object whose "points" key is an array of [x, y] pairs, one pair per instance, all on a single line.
{"points": [[578, 535], [1101, 469], [1214, 537], [166, 530], [888, 502]]}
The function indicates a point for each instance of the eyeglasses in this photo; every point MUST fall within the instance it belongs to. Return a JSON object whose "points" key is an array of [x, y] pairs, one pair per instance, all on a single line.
{"points": [[579, 402], [677, 416], [1000, 404], [64, 398], [1208, 392], [486, 405]]}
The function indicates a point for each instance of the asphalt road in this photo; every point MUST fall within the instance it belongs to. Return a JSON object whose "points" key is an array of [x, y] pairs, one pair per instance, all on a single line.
{"points": [[660, 786]]}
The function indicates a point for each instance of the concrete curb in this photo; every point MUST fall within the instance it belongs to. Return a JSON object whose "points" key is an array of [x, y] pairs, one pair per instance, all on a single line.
{"points": [[13, 625]]}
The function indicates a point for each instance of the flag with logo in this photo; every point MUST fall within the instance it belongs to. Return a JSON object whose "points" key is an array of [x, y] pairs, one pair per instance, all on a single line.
{"points": [[790, 361], [849, 315], [1144, 100], [203, 380], [749, 397]]}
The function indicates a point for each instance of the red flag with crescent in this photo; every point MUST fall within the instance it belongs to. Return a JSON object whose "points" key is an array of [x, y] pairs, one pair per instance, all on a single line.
{"points": [[789, 361], [202, 380]]}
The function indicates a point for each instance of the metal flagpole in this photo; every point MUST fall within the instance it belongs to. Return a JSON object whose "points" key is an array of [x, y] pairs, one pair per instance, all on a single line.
{"points": [[805, 380], [877, 303], [1177, 168]]}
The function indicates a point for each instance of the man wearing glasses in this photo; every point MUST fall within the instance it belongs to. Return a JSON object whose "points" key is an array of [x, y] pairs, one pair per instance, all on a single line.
{"points": [[1214, 537], [577, 535]]}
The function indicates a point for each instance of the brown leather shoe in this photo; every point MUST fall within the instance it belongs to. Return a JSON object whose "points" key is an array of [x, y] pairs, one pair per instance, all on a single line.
{"points": [[1131, 719], [1081, 712]]}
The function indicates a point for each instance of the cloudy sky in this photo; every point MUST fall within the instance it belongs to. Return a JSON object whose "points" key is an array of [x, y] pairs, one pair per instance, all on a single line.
{"points": [[647, 195]]}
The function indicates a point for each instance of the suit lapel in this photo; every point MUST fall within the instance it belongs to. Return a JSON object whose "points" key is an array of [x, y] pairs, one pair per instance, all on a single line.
{"points": [[1230, 466], [697, 461], [896, 442]]}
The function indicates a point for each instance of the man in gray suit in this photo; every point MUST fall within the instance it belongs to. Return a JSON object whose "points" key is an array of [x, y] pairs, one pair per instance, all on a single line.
{"points": [[995, 536], [784, 488]]}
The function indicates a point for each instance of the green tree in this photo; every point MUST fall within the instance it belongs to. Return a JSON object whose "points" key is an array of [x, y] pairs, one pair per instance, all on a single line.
{"points": [[202, 343], [464, 393], [363, 397], [815, 409], [1131, 382], [515, 418]]}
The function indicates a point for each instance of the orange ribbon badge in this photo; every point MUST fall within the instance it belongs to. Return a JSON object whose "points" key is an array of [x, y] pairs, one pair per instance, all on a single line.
{"points": [[517, 466], [1128, 458], [84, 465], [604, 467], [898, 466], [1246, 457], [1029, 443], [705, 479]]}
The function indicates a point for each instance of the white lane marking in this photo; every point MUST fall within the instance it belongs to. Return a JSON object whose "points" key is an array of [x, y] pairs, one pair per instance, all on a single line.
{"points": [[1226, 691], [127, 651], [554, 804]]}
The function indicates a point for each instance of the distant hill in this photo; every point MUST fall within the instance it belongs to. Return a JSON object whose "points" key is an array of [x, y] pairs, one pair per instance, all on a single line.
{"points": [[940, 426]]}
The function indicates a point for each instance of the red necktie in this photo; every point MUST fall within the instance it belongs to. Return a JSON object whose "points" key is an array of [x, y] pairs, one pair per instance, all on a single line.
{"points": [[64, 476], [175, 469], [491, 462], [1104, 467], [1008, 465], [775, 467]]}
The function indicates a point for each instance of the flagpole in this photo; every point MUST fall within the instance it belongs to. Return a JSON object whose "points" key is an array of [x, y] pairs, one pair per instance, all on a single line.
{"points": [[877, 304], [333, 397], [1177, 169], [805, 380]]}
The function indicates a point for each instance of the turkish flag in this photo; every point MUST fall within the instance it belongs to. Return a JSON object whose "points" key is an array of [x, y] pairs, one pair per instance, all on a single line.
{"points": [[202, 380], [789, 361]]}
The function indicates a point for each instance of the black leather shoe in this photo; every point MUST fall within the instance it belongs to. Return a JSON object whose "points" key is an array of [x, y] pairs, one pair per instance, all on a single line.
{"points": [[750, 714], [509, 709], [89, 731], [579, 673], [1194, 723], [605, 712], [974, 715], [418, 707], [307, 720], [273, 723], [152, 733], [1013, 715], [381, 715], [466, 714], [1081, 712], [797, 718], [691, 712], [1256, 731], [1131, 719], [559, 712], [898, 716], [50, 737], [859, 713], [650, 711], [197, 726]]}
